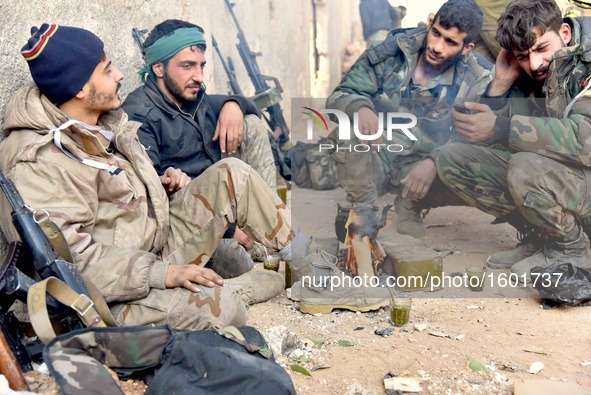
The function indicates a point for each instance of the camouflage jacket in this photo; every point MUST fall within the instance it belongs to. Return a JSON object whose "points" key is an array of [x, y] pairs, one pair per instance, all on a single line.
{"points": [[115, 224], [381, 80], [550, 132]]}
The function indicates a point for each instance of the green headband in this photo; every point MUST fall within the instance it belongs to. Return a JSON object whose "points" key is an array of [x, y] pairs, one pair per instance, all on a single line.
{"points": [[168, 46]]}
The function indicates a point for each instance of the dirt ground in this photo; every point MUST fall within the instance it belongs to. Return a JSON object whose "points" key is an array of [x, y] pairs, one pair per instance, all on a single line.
{"points": [[506, 334], [505, 330]]}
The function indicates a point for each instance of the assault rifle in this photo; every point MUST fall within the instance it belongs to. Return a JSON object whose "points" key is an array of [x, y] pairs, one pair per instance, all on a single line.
{"points": [[228, 68], [266, 97], [34, 257]]}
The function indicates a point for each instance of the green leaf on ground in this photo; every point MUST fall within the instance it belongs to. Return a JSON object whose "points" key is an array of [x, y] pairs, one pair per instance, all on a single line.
{"points": [[301, 360], [299, 369], [315, 368], [476, 366], [316, 340], [346, 343]]}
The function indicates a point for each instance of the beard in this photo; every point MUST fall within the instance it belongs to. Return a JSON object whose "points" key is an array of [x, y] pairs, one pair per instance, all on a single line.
{"points": [[177, 91], [104, 100]]}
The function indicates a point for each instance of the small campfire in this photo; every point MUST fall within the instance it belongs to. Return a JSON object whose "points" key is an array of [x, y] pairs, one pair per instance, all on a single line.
{"points": [[363, 254]]}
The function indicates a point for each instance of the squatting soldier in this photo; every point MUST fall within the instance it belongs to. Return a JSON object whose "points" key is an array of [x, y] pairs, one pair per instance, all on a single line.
{"points": [[185, 128], [535, 175], [71, 151], [421, 71]]}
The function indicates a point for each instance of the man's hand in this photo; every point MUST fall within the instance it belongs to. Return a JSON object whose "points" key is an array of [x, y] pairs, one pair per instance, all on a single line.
{"points": [[507, 71], [243, 239], [478, 126], [174, 179], [419, 180], [188, 275], [368, 124], [229, 129]]}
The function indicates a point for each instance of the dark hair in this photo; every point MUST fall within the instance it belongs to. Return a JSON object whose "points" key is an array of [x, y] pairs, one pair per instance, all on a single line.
{"points": [[464, 15], [166, 28], [515, 29]]}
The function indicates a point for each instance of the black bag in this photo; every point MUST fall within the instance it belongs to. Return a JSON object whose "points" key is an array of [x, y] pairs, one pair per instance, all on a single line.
{"points": [[562, 283], [229, 361], [203, 362], [312, 168]]}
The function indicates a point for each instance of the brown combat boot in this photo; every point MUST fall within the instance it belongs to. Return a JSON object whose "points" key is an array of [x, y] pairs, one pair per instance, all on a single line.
{"points": [[409, 220], [257, 286]]}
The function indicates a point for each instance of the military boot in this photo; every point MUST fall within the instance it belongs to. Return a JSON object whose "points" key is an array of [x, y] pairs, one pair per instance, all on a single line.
{"points": [[528, 245], [230, 259], [574, 251], [322, 285], [409, 220], [257, 286]]}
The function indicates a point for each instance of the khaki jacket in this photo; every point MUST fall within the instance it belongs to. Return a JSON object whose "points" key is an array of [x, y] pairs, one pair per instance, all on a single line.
{"points": [[115, 224]]}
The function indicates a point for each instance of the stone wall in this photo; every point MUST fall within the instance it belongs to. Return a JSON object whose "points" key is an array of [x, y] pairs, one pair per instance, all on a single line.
{"points": [[281, 30]]}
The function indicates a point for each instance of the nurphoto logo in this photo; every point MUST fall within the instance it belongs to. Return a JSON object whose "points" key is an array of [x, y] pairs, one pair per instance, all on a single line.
{"points": [[395, 121]]}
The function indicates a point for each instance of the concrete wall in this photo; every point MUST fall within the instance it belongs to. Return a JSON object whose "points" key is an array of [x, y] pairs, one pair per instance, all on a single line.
{"points": [[282, 30], [278, 29]]}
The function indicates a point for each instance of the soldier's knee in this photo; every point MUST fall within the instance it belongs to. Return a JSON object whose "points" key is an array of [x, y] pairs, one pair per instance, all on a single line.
{"points": [[522, 169], [448, 157]]}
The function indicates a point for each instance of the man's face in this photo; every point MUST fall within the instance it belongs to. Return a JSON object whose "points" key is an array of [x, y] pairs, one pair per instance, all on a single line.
{"points": [[182, 77], [443, 46], [102, 90], [536, 60]]}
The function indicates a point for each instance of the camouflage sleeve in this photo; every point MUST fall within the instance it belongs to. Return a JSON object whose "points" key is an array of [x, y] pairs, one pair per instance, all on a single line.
{"points": [[120, 274], [567, 140], [356, 89]]}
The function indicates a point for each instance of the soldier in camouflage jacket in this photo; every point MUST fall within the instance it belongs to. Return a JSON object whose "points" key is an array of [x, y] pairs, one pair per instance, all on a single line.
{"points": [[71, 150], [536, 118], [423, 72]]}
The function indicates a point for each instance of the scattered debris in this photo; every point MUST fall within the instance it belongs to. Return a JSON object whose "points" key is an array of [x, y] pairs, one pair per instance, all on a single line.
{"points": [[359, 328], [438, 334], [404, 384], [536, 367], [420, 327], [384, 332], [510, 368], [537, 351], [474, 307], [585, 363]]}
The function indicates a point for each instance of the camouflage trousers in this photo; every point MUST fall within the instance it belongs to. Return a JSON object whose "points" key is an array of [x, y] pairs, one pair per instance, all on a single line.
{"points": [[578, 8], [366, 175], [548, 194], [229, 191], [256, 150]]}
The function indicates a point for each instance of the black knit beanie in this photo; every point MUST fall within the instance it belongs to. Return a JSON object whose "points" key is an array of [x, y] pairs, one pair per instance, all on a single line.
{"points": [[62, 59]]}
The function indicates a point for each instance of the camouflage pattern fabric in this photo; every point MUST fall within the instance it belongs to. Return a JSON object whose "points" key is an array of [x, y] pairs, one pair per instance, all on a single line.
{"points": [[75, 360], [578, 8], [256, 150], [381, 81], [544, 170], [197, 212], [122, 229]]}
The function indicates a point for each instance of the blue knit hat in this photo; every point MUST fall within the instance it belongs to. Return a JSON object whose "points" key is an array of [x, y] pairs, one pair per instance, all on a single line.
{"points": [[62, 59]]}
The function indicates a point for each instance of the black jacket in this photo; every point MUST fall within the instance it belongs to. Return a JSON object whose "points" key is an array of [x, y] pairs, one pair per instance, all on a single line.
{"points": [[181, 139]]}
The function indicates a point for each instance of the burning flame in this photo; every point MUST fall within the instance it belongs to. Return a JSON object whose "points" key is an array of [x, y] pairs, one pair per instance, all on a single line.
{"points": [[364, 255]]}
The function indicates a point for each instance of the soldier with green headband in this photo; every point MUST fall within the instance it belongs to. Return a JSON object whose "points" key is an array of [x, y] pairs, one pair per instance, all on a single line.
{"points": [[185, 128]]}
